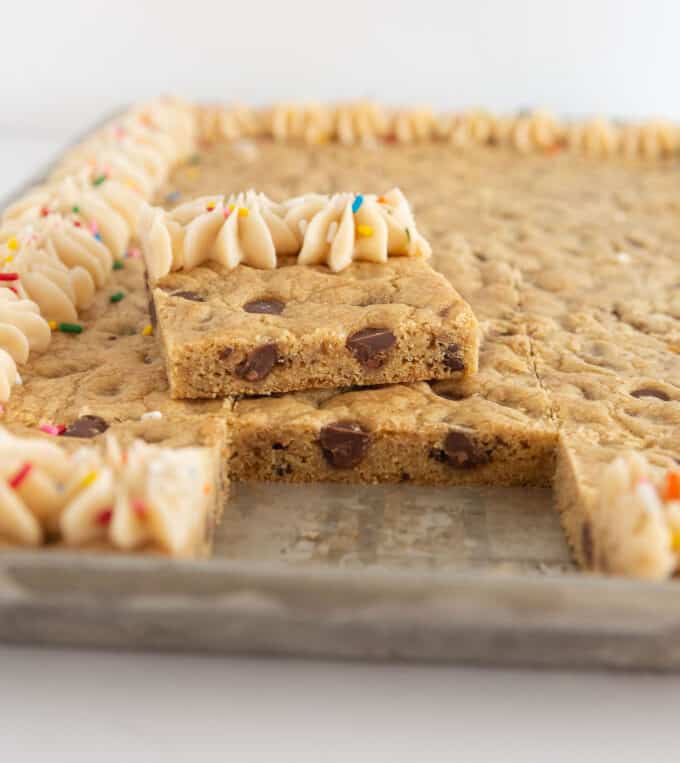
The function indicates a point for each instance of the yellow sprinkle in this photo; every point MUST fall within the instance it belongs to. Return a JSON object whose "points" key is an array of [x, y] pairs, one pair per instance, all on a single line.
{"points": [[210, 206], [230, 207], [675, 542], [52, 325], [87, 480], [12, 244], [364, 231], [147, 330], [9, 258], [243, 212]]}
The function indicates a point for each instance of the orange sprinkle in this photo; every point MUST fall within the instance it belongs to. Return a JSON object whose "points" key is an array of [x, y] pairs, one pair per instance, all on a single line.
{"points": [[207, 488], [671, 488], [139, 507]]}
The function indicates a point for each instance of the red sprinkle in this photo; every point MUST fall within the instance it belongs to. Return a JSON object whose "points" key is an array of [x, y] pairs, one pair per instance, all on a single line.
{"points": [[76, 223], [139, 507], [9, 276], [44, 212], [55, 429], [12, 288], [104, 517], [21, 475]]}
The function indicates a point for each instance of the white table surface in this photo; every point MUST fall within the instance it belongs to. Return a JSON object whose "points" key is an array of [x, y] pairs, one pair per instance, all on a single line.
{"points": [[74, 706]]}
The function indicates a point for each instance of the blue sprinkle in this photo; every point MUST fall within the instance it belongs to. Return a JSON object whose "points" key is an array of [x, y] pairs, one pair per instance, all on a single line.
{"points": [[173, 196], [356, 204], [98, 236]]}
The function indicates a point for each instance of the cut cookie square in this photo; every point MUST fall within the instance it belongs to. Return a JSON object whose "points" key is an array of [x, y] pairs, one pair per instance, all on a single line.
{"points": [[493, 428], [249, 331]]}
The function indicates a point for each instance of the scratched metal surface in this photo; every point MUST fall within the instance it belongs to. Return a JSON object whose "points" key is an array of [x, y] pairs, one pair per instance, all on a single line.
{"points": [[478, 575]]}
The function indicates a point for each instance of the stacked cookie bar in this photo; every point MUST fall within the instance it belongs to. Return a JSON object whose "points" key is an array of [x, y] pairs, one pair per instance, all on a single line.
{"points": [[354, 358]]}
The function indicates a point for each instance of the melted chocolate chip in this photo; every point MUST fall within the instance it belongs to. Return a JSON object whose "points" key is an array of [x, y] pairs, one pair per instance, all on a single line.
{"points": [[452, 359], [650, 392], [462, 453], [86, 426], [258, 363], [193, 296], [265, 306], [153, 318], [225, 353], [587, 543], [344, 444], [369, 346]]}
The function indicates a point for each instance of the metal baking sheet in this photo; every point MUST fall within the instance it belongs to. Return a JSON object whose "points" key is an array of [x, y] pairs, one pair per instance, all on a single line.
{"points": [[476, 575]]}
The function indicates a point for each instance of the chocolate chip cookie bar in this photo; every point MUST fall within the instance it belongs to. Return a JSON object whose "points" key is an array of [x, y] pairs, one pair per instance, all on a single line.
{"points": [[312, 293], [249, 331]]}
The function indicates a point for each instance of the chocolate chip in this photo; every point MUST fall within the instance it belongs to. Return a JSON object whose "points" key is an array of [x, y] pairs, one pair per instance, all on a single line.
{"points": [[370, 345], [265, 306], [193, 296], [258, 363], [449, 394], [86, 426], [650, 392], [225, 353], [153, 318], [462, 453], [279, 446], [452, 359], [587, 543], [344, 444]]}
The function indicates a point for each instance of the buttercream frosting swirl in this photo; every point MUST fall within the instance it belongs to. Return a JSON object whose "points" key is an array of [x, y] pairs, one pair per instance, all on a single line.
{"points": [[636, 527], [251, 229], [144, 496], [22, 329]]}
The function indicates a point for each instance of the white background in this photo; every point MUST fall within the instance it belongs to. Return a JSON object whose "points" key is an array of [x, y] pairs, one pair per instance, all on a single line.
{"points": [[64, 63]]}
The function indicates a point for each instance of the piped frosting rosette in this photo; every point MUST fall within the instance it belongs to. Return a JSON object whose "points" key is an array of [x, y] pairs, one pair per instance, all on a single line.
{"points": [[251, 229], [139, 149], [636, 527], [145, 496], [109, 208], [73, 243], [36, 273], [22, 329]]}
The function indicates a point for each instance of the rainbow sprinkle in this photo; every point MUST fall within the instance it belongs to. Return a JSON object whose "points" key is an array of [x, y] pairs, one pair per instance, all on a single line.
{"points": [[104, 516], [99, 180], [12, 244], [133, 253], [66, 328], [9, 276], [138, 506], [356, 204], [53, 429], [88, 479], [147, 330], [364, 231], [116, 296], [118, 265], [21, 475]]}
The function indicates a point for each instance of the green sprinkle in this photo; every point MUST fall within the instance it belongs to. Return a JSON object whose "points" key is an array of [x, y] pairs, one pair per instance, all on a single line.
{"points": [[70, 328], [99, 180], [75, 210], [116, 297], [118, 265]]}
